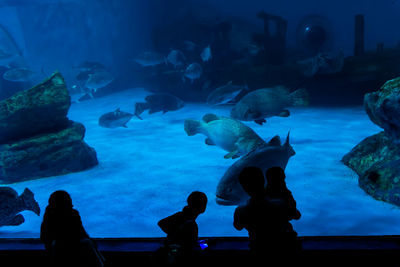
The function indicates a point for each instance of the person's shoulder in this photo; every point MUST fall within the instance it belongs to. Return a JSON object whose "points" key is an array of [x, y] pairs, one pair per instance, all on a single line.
{"points": [[75, 213], [287, 192], [242, 208], [174, 217]]}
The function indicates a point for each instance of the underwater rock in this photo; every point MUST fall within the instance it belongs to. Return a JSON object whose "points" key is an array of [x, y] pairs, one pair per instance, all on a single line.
{"points": [[40, 109], [376, 160], [11, 205], [383, 108], [36, 137], [45, 155]]}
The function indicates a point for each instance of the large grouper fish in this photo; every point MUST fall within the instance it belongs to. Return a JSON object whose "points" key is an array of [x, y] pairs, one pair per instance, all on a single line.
{"points": [[268, 102], [230, 192], [227, 133]]}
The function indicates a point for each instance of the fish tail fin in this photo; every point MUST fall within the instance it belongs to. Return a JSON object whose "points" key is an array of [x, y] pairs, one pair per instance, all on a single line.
{"points": [[29, 201], [139, 108], [300, 97], [192, 127]]}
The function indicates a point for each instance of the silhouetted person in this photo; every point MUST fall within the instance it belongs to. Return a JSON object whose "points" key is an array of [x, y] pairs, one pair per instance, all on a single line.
{"points": [[266, 216], [182, 230], [277, 192], [64, 236]]}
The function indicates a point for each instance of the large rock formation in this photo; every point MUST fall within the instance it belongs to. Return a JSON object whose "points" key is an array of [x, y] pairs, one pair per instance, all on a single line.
{"points": [[383, 108], [40, 109], [376, 159], [36, 137]]}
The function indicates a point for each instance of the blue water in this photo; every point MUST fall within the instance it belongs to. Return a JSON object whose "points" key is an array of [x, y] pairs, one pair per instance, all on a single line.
{"points": [[147, 170]]}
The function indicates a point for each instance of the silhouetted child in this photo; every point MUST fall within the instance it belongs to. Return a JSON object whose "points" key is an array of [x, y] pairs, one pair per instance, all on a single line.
{"points": [[64, 236], [266, 215], [182, 230], [278, 193]]}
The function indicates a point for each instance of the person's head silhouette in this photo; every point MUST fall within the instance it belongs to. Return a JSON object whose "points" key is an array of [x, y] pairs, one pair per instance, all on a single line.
{"points": [[60, 200], [275, 179], [197, 201], [252, 181]]}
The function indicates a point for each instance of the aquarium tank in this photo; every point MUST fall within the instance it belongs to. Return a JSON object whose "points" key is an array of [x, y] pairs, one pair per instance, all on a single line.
{"points": [[130, 106]]}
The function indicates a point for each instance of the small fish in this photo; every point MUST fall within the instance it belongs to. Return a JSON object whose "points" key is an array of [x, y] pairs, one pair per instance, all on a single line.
{"points": [[158, 102], [83, 76], [149, 58], [206, 54], [18, 75], [115, 119], [176, 58], [225, 94], [268, 102], [254, 49], [193, 72], [323, 63], [99, 80], [189, 45], [90, 66]]}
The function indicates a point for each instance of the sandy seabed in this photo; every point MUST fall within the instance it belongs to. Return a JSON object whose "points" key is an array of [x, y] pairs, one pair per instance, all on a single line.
{"points": [[146, 171]]}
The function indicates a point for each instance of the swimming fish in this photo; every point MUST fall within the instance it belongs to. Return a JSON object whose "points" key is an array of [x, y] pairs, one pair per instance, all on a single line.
{"points": [[263, 103], [227, 133], [176, 58], [115, 119], [99, 80], [225, 94], [158, 102], [189, 45], [323, 63], [230, 192], [206, 54], [193, 72], [11, 205], [18, 75], [90, 66], [149, 58]]}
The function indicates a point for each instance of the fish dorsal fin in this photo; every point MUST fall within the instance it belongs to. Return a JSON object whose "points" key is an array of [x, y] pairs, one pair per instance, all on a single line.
{"points": [[229, 83], [275, 141], [287, 139], [210, 117], [117, 111]]}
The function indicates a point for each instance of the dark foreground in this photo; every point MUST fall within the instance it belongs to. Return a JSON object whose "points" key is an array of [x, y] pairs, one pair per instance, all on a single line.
{"points": [[226, 251]]}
